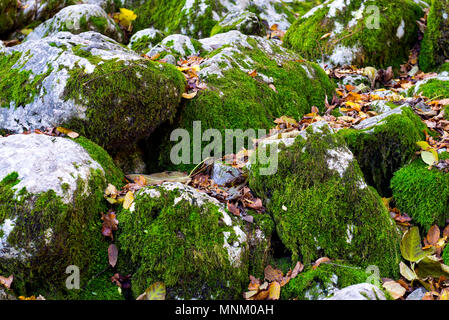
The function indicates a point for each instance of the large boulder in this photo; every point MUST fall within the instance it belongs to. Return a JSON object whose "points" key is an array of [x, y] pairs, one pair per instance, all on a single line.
{"points": [[246, 22], [434, 47], [239, 98], [197, 18], [384, 144], [51, 198], [316, 193], [77, 19], [422, 193], [187, 239], [88, 83], [348, 32], [361, 291], [144, 40]]}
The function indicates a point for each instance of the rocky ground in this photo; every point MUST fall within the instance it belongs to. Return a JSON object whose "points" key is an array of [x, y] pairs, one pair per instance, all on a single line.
{"points": [[353, 202]]}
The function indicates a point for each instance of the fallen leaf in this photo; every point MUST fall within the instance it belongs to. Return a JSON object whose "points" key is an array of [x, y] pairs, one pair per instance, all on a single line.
{"points": [[394, 289], [297, 269], [433, 235], [272, 274], [6, 282], [112, 254], [274, 291], [189, 96], [156, 291], [129, 199], [68, 132], [110, 223], [320, 261]]}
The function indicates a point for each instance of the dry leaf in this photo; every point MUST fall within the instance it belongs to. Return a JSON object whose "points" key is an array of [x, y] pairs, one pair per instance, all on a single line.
{"points": [[274, 291], [272, 274], [6, 282], [190, 96], [320, 261], [394, 289], [433, 235], [112, 254]]}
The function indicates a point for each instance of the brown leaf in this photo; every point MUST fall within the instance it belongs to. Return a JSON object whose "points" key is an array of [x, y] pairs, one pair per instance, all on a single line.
{"points": [[274, 291], [252, 73], [254, 284], [272, 274], [262, 295], [6, 282], [112, 254], [233, 209], [249, 294], [256, 204], [394, 289], [110, 223], [297, 269], [320, 261], [446, 231], [433, 235]]}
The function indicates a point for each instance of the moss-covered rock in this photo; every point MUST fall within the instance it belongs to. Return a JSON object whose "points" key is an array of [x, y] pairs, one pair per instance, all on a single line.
{"points": [[355, 37], [88, 83], [51, 197], [188, 240], [436, 88], [422, 193], [384, 144], [246, 22], [198, 17], [77, 19], [144, 40], [434, 47], [8, 13], [284, 85], [322, 282], [177, 45], [321, 205]]}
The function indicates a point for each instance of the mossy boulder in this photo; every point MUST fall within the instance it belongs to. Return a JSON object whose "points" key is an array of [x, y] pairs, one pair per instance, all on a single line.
{"points": [[188, 240], [77, 19], [434, 47], [88, 83], [355, 36], [246, 22], [177, 45], [384, 144], [8, 13], [321, 204], [144, 40], [434, 88], [51, 198], [197, 18], [323, 282], [422, 193], [284, 85]]}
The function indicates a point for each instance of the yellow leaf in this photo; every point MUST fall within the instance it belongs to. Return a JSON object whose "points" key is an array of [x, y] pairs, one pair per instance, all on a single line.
{"points": [[274, 291], [26, 31], [68, 132], [190, 95], [129, 199], [353, 105]]}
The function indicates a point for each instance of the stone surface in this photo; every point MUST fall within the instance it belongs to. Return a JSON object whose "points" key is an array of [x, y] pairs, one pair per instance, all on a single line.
{"points": [[50, 94], [144, 40], [77, 19], [223, 174], [362, 291], [178, 45], [246, 22], [417, 294]]}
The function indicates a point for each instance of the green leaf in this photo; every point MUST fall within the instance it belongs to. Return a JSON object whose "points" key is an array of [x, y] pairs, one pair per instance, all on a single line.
{"points": [[155, 292], [411, 246], [429, 157], [406, 272], [423, 145], [432, 267]]}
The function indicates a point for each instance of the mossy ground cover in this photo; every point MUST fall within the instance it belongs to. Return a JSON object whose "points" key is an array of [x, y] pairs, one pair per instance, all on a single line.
{"points": [[422, 193], [434, 89], [314, 208], [306, 33], [384, 149]]}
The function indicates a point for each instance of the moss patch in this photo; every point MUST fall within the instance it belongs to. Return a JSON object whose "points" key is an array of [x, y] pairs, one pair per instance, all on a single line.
{"points": [[384, 149], [380, 46], [304, 285], [434, 47], [327, 214], [434, 89], [181, 245], [126, 102], [422, 193]]}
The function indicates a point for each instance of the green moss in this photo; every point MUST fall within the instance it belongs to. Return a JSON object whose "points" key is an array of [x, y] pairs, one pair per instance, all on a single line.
{"points": [[421, 193], [17, 85], [384, 149], [436, 38], [306, 33], [446, 256], [435, 89], [245, 23], [181, 245], [324, 207], [168, 16], [75, 235], [144, 43], [125, 101], [305, 283], [238, 101]]}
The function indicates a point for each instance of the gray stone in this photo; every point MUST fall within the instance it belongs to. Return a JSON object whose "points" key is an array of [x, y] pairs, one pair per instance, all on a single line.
{"points": [[223, 174], [246, 22], [417, 294], [361, 291], [144, 40], [77, 19], [373, 121], [178, 45]]}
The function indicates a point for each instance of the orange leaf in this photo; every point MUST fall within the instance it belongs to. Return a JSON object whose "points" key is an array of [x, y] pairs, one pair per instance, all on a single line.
{"points": [[433, 235], [320, 261], [274, 291], [272, 274], [6, 282]]}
